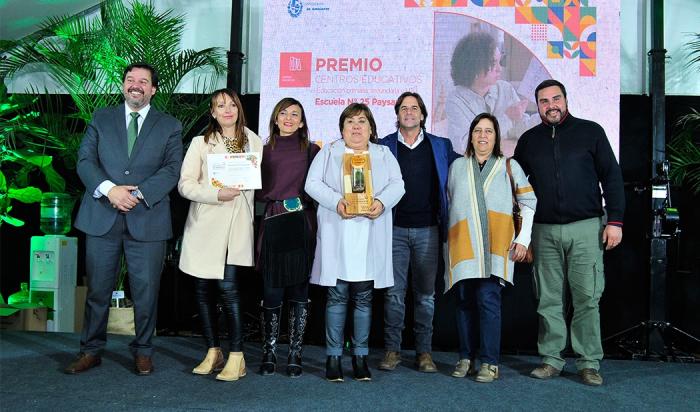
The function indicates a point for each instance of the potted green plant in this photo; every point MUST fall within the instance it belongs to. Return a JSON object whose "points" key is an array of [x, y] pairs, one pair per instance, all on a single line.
{"points": [[684, 152], [121, 312], [24, 147], [684, 149], [86, 56]]}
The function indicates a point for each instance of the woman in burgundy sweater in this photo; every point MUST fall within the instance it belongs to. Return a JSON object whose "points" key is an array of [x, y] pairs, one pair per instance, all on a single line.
{"points": [[287, 236]]}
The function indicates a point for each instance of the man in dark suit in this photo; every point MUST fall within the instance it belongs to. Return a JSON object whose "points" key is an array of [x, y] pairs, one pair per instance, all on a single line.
{"points": [[420, 224], [129, 160]]}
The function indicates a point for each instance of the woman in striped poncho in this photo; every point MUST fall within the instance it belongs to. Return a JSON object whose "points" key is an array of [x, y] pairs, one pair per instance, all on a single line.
{"points": [[482, 245]]}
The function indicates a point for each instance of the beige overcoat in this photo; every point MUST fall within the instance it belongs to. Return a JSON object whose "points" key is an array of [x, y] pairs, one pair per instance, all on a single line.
{"points": [[214, 227]]}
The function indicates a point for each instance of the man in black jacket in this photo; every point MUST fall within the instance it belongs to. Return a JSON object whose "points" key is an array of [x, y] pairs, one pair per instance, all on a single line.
{"points": [[568, 160]]}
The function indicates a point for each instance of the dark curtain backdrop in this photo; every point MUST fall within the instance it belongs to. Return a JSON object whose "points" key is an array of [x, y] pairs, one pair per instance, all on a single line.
{"points": [[624, 303]]}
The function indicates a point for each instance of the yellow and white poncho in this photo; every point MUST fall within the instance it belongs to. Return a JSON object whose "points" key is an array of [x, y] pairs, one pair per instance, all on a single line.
{"points": [[480, 222]]}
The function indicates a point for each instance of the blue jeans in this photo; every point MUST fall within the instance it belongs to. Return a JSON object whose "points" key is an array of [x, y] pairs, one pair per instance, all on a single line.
{"points": [[479, 318], [336, 310], [419, 248]]}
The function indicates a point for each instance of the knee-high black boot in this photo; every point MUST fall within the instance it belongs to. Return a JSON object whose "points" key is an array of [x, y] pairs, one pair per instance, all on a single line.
{"points": [[298, 312], [270, 329]]}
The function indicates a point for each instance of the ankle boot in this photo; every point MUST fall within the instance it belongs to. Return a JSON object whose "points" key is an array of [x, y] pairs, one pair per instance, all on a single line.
{"points": [[360, 370], [298, 312], [234, 369], [334, 369], [213, 362], [270, 330]]}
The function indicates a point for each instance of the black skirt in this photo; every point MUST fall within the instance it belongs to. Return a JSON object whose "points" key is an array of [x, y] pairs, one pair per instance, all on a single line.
{"points": [[287, 252]]}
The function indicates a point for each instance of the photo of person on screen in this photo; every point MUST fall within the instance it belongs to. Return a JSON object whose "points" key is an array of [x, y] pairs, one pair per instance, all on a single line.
{"points": [[476, 66]]}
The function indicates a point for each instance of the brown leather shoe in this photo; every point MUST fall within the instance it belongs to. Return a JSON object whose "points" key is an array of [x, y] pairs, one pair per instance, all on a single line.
{"points": [[591, 377], [391, 361], [545, 371], [83, 362], [143, 365], [425, 363]]}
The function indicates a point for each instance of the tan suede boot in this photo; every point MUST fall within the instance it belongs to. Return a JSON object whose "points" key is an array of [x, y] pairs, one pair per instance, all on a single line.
{"points": [[213, 362], [234, 369]]}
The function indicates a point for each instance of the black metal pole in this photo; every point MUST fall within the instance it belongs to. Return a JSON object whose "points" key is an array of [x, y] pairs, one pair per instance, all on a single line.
{"points": [[235, 56], [658, 263]]}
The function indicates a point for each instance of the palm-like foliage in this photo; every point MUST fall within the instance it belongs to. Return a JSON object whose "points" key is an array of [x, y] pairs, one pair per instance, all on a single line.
{"points": [[24, 144], [683, 151], [86, 56], [693, 47]]}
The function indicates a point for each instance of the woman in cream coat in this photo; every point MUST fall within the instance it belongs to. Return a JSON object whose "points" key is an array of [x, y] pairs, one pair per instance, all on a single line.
{"points": [[218, 233]]}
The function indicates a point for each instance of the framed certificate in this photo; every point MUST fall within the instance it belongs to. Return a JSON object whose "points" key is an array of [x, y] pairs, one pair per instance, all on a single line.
{"points": [[236, 170], [357, 183]]}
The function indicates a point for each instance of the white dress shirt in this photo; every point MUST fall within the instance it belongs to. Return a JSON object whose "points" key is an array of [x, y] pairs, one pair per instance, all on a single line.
{"points": [[415, 144]]}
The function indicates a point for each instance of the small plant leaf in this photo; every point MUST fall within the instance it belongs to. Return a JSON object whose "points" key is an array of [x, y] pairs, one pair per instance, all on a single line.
{"points": [[11, 220], [29, 194]]}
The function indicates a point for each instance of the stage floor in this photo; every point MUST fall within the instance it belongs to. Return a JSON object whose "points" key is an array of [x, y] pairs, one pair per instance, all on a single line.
{"points": [[31, 378]]}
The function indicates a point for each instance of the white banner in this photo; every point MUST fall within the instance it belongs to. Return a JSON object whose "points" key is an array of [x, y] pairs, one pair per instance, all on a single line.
{"points": [[463, 57]]}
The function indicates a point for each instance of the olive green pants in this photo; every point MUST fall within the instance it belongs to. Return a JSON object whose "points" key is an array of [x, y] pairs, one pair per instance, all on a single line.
{"points": [[569, 255]]}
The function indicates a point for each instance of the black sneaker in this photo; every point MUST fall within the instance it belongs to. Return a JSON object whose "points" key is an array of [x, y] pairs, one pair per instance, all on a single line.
{"points": [[334, 369], [360, 370]]}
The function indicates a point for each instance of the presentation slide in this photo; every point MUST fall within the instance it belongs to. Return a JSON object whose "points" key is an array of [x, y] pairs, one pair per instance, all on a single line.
{"points": [[463, 57]]}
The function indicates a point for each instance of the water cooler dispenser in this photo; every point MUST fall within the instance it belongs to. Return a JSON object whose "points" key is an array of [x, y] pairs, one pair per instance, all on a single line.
{"points": [[53, 277], [53, 264]]}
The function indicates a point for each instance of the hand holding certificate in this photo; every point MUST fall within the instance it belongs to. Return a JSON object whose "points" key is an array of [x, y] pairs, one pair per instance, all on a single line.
{"points": [[237, 170]]}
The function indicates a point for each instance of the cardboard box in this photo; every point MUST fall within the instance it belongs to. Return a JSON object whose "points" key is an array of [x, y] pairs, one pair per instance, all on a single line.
{"points": [[32, 319]]}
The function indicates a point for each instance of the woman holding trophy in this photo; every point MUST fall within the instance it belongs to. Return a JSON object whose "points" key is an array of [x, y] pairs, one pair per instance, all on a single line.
{"points": [[356, 182]]}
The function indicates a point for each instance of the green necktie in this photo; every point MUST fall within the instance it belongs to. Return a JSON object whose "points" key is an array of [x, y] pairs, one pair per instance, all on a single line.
{"points": [[132, 131]]}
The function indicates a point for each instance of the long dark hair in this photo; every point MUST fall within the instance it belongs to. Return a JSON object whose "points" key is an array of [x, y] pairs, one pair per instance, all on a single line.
{"points": [[356, 109], [214, 127], [275, 130], [497, 144]]}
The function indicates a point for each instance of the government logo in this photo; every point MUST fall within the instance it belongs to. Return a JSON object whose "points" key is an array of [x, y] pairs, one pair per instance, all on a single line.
{"points": [[294, 8]]}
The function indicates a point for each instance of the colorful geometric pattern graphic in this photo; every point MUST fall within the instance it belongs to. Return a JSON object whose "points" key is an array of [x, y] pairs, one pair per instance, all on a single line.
{"points": [[435, 3], [574, 21], [494, 3]]}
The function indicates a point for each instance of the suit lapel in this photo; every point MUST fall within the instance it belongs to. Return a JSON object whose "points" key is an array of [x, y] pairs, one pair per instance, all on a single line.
{"points": [[120, 128], [394, 144]]}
